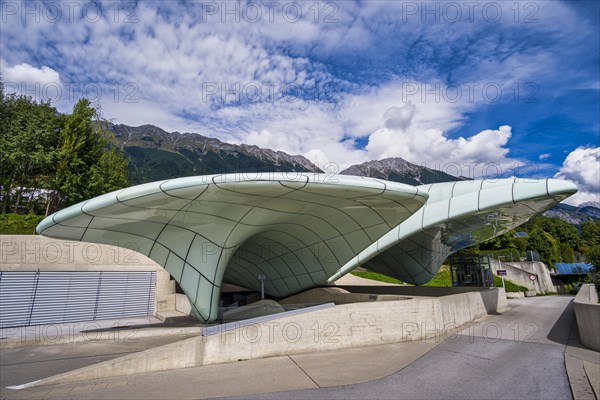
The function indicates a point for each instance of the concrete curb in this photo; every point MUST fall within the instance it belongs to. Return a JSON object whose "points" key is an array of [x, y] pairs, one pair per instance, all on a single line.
{"points": [[578, 379]]}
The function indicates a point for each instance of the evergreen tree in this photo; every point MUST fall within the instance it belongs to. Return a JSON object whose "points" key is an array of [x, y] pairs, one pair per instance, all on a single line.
{"points": [[88, 163]]}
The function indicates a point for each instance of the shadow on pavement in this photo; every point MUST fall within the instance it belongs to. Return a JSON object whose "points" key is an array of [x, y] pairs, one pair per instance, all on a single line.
{"points": [[561, 329]]}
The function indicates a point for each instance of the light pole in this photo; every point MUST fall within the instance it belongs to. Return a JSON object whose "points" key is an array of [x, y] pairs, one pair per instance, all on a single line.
{"points": [[261, 278]]}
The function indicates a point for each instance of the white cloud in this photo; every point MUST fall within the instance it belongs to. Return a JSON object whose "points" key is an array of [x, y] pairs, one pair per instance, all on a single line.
{"points": [[484, 151], [544, 156], [582, 166], [29, 80], [399, 118], [393, 125], [27, 73]]}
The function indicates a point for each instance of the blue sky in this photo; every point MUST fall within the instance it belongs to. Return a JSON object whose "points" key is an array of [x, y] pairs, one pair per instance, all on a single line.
{"points": [[501, 87]]}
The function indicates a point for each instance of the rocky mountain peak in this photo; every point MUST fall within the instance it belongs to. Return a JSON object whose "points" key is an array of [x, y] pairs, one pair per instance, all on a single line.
{"points": [[399, 170]]}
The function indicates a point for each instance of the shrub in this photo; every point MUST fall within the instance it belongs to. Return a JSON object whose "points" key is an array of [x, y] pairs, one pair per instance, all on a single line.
{"points": [[16, 224]]}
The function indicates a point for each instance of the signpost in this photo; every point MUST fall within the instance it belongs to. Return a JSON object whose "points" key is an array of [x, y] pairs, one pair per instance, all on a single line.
{"points": [[532, 278], [501, 273]]}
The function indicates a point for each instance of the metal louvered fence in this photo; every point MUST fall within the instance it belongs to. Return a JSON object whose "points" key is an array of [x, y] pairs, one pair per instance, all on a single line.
{"points": [[38, 298]]}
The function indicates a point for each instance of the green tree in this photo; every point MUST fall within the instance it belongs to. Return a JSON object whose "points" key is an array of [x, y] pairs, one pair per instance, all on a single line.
{"points": [[88, 164], [544, 244], [566, 253], [593, 256], [28, 136], [110, 172], [561, 230], [501, 242], [590, 232], [520, 243], [77, 150]]}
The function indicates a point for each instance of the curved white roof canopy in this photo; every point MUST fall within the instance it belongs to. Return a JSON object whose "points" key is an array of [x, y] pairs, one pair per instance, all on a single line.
{"points": [[300, 230], [456, 215], [297, 229]]}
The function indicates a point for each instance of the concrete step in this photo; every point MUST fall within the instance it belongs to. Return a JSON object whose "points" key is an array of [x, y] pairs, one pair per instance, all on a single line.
{"points": [[165, 303]]}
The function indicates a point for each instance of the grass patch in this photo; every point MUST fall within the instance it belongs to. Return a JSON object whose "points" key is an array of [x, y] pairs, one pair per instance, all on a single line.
{"points": [[510, 286], [441, 279], [16, 224], [374, 276]]}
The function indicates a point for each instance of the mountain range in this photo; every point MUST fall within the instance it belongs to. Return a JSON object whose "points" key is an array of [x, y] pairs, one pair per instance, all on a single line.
{"points": [[155, 154], [575, 215]]}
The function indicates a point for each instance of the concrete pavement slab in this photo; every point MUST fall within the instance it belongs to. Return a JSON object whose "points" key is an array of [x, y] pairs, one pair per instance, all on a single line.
{"points": [[336, 367], [244, 377], [26, 364]]}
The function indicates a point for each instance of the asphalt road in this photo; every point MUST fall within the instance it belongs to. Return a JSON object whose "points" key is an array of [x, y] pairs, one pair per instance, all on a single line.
{"points": [[516, 355]]}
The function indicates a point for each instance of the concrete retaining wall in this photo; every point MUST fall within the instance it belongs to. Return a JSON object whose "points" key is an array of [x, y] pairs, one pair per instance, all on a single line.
{"points": [[519, 272], [27, 253], [402, 290], [182, 304], [347, 325], [587, 312]]}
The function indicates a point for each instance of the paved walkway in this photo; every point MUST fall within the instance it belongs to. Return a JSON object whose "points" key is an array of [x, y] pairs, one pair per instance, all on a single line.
{"points": [[26, 364], [519, 354], [583, 367]]}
